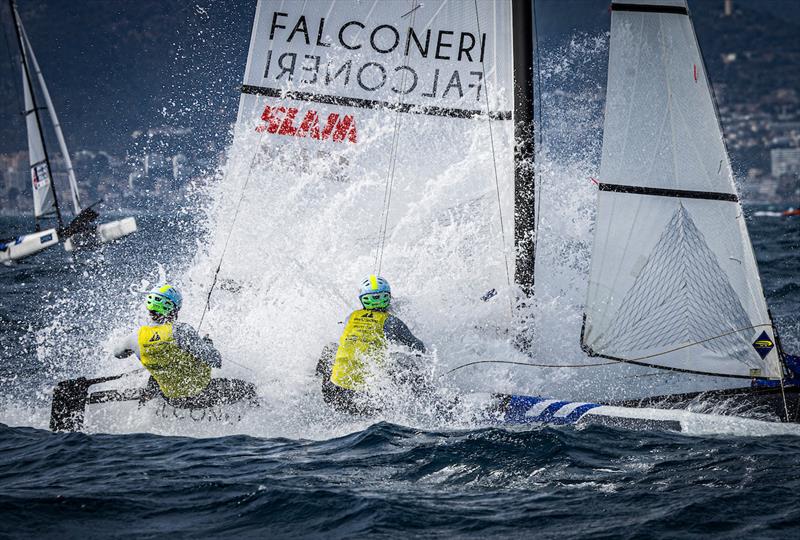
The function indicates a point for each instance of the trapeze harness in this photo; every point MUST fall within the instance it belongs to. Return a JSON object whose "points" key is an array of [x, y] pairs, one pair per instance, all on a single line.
{"points": [[178, 373], [362, 341]]}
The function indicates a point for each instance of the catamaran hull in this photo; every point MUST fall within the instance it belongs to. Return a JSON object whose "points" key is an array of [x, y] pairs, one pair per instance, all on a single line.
{"points": [[27, 245], [101, 405], [756, 402], [514, 410], [105, 233]]}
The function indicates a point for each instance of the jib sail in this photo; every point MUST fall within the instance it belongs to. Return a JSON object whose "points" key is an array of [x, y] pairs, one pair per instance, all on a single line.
{"points": [[673, 281]]}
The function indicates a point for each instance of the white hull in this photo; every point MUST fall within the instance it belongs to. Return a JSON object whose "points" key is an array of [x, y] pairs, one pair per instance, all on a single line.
{"points": [[27, 245], [106, 233], [528, 410], [156, 416]]}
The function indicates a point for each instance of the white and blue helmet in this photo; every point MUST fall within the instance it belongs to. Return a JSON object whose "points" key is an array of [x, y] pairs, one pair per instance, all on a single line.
{"points": [[375, 292]]}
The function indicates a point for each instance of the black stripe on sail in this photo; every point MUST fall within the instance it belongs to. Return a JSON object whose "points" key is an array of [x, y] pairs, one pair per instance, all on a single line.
{"points": [[662, 192], [369, 103], [650, 8], [31, 111]]}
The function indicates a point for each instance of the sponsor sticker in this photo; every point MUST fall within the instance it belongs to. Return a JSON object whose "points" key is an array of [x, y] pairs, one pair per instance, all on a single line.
{"points": [[763, 344], [309, 123]]}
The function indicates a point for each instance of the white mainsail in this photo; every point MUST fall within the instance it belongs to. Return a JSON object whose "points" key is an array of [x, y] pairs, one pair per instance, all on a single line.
{"points": [[73, 183], [41, 178], [350, 107], [419, 57], [673, 281], [382, 86]]}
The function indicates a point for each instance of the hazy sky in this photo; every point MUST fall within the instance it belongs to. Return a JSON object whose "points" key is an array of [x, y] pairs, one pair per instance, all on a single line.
{"points": [[114, 66]]}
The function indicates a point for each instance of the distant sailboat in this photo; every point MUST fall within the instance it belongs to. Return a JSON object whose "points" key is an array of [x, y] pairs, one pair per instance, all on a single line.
{"points": [[82, 231]]}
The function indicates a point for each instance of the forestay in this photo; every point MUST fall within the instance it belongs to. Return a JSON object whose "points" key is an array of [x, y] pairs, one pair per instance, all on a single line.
{"points": [[673, 280]]}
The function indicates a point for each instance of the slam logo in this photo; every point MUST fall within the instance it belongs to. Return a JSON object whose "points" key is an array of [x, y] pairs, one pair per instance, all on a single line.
{"points": [[763, 345], [40, 176], [288, 121]]}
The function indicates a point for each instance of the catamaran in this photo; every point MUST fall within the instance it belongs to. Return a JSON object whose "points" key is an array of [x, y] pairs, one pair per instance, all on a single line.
{"points": [[82, 231], [673, 287]]}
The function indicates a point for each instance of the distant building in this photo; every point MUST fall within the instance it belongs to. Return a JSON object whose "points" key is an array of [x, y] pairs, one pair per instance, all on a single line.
{"points": [[785, 161], [180, 170]]}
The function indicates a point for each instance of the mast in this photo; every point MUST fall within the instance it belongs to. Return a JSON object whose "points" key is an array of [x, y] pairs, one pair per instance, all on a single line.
{"points": [[524, 148], [73, 183], [35, 111]]}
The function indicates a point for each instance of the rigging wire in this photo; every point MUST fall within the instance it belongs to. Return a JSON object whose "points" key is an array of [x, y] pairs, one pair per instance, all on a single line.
{"points": [[494, 164], [390, 173], [230, 232], [526, 364], [617, 362]]}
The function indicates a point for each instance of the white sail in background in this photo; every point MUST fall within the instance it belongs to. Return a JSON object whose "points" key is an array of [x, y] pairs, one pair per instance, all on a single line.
{"points": [[672, 263], [73, 183], [41, 178]]}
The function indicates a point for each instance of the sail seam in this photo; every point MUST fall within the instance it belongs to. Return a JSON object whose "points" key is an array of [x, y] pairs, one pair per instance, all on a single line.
{"points": [[664, 192], [361, 103], [650, 8]]}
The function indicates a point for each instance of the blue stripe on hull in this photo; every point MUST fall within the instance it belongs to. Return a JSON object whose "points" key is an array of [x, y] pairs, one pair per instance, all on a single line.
{"points": [[517, 411]]}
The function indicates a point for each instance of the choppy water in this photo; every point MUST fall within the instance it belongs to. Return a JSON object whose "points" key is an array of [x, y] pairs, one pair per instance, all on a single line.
{"points": [[379, 480], [389, 480]]}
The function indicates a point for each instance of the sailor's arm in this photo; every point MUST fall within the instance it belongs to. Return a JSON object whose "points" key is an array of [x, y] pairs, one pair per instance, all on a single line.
{"points": [[187, 339], [127, 346], [397, 332]]}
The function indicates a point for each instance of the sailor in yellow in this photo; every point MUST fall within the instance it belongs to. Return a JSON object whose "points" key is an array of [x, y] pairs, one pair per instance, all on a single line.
{"points": [[178, 359], [362, 345]]}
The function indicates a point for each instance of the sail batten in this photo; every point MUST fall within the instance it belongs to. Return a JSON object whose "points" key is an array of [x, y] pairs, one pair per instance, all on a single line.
{"points": [[361, 103], [650, 8], [673, 281], [663, 192]]}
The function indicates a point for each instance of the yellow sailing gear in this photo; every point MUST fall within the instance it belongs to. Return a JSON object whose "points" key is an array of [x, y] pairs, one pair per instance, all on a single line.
{"points": [[363, 339], [178, 373]]}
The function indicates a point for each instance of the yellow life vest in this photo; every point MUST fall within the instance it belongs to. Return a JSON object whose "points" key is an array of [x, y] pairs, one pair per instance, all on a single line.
{"points": [[178, 373], [362, 340]]}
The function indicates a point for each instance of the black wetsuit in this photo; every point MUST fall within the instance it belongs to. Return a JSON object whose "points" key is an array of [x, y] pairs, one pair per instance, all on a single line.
{"points": [[350, 401]]}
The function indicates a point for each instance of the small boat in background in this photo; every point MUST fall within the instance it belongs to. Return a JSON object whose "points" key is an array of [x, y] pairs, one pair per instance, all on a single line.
{"points": [[83, 231], [791, 212]]}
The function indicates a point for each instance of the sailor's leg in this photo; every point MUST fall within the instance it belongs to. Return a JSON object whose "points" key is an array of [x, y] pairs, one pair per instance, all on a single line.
{"points": [[219, 392], [151, 391], [346, 401]]}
